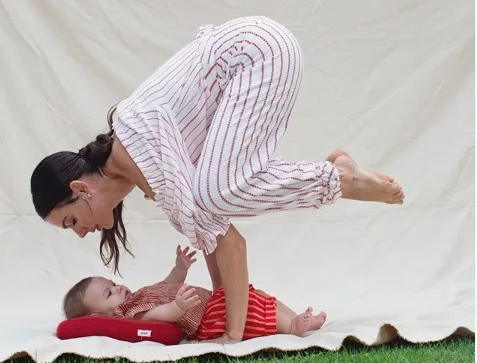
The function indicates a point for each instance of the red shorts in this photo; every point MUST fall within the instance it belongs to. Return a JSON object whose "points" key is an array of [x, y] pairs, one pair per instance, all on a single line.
{"points": [[261, 316]]}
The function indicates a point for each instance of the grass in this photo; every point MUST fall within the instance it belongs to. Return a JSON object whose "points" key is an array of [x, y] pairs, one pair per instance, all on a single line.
{"points": [[452, 350]]}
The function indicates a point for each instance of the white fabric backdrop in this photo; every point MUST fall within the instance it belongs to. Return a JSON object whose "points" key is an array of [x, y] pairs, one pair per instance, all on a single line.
{"points": [[390, 81]]}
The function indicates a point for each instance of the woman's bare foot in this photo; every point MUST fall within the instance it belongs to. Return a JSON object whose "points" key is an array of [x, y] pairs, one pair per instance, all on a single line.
{"points": [[317, 321], [301, 324], [340, 152], [359, 184]]}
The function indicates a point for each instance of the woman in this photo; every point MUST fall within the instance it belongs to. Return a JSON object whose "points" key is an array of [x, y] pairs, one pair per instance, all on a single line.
{"points": [[197, 137]]}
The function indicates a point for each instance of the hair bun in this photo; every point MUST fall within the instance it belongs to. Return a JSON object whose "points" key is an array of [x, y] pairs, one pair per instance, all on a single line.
{"points": [[103, 139], [97, 152], [83, 152]]}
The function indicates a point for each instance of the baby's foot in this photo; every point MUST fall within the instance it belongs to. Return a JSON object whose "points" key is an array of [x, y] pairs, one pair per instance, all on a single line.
{"points": [[301, 324], [317, 321]]}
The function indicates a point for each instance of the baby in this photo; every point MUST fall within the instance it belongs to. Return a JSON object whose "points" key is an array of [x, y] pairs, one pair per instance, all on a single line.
{"points": [[199, 312]]}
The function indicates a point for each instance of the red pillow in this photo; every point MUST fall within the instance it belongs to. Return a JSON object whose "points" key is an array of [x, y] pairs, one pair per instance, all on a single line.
{"points": [[128, 330]]}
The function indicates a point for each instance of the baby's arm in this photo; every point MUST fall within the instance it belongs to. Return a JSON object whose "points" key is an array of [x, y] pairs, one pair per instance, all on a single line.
{"points": [[178, 273], [169, 312], [176, 276], [174, 310]]}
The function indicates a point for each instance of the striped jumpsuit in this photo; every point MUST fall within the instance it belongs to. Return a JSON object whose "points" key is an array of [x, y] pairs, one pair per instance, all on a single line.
{"points": [[208, 319], [203, 129]]}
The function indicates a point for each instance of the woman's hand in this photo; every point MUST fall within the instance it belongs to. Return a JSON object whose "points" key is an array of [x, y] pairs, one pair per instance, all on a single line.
{"points": [[224, 339], [184, 260]]}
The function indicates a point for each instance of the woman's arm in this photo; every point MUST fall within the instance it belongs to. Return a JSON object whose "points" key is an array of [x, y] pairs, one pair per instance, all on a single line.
{"points": [[214, 272], [231, 255]]}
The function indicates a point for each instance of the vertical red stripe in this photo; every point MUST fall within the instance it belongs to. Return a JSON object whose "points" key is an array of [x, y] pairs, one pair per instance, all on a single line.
{"points": [[149, 297], [261, 316], [204, 126]]}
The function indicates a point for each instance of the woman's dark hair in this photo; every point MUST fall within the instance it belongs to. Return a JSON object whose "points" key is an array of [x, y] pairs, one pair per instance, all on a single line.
{"points": [[50, 187]]}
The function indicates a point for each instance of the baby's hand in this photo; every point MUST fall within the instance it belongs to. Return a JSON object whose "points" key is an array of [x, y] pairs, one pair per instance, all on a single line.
{"points": [[184, 298], [184, 260]]}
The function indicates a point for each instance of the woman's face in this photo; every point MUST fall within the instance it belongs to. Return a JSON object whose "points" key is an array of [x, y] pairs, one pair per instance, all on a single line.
{"points": [[87, 214]]}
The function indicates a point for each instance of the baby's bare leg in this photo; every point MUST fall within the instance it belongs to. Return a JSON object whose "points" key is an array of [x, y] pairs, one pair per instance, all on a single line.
{"points": [[289, 322], [284, 322], [298, 325], [280, 305]]}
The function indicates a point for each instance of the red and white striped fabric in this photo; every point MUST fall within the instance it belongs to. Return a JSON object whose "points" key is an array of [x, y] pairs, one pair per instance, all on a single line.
{"points": [[261, 316], [148, 297], [204, 126]]}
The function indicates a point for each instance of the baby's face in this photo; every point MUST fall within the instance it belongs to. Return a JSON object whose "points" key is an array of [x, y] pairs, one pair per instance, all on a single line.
{"points": [[103, 296]]}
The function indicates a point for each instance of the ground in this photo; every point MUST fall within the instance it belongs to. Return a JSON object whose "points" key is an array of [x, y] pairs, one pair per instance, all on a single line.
{"points": [[453, 350]]}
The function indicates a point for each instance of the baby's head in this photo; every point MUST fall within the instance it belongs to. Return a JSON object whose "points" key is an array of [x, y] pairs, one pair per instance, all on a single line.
{"points": [[94, 295]]}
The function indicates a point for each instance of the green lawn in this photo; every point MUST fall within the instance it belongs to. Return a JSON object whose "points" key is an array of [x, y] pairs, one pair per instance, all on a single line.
{"points": [[455, 350], [451, 351]]}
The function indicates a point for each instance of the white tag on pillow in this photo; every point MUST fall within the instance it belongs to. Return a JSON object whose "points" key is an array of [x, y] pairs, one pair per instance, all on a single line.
{"points": [[143, 333]]}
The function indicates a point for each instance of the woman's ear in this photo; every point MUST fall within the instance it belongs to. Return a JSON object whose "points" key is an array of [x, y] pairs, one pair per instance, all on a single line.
{"points": [[80, 188]]}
